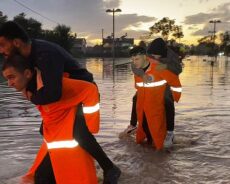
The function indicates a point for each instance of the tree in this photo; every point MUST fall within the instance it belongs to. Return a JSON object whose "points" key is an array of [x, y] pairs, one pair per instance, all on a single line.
{"points": [[177, 32], [64, 37], [49, 35], [32, 26], [206, 46], [225, 43], [60, 35], [3, 18], [166, 27]]}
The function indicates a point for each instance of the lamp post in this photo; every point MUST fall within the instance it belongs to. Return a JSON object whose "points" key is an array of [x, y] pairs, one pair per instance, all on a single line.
{"points": [[113, 46], [214, 22], [102, 43]]}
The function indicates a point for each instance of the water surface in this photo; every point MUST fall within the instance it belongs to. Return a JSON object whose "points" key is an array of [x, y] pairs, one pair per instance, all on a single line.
{"points": [[201, 153]]}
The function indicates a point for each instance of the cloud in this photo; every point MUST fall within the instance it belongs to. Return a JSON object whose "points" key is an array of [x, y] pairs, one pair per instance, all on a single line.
{"points": [[123, 22], [203, 1], [193, 27], [208, 28], [200, 18], [222, 12], [126, 20], [85, 17], [111, 3]]}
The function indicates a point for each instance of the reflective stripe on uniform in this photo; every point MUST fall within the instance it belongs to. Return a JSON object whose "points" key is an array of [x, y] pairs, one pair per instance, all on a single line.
{"points": [[62, 144], [151, 84], [91, 109], [176, 89]]}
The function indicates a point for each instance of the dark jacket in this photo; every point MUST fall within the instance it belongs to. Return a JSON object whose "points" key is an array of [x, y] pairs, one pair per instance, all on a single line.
{"points": [[172, 61], [53, 61]]}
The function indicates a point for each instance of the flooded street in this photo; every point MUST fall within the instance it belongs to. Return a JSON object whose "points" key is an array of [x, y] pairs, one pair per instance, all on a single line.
{"points": [[201, 153]]}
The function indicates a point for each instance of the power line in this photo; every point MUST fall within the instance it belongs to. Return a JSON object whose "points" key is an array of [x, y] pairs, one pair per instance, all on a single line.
{"points": [[23, 5]]}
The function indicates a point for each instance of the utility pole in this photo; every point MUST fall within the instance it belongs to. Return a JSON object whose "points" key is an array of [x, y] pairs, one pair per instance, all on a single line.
{"points": [[214, 22], [113, 46], [102, 43]]}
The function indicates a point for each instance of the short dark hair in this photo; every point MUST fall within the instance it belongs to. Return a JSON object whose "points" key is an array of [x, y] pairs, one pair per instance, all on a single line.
{"points": [[18, 62], [11, 30], [138, 50]]}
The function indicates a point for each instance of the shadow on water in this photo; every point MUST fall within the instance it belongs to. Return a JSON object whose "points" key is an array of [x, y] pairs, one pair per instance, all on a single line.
{"points": [[201, 153]]}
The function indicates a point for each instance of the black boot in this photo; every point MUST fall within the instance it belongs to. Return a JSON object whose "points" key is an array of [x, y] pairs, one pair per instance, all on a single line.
{"points": [[112, 175]]}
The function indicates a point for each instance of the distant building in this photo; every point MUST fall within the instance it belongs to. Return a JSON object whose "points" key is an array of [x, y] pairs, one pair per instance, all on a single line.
{"points": [[95, 51], [79, 47], [122, 46]]}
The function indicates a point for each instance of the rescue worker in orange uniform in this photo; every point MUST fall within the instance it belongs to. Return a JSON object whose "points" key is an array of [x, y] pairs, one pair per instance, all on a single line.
{"points": [[60, 159], [150, 97], [53, 61]]}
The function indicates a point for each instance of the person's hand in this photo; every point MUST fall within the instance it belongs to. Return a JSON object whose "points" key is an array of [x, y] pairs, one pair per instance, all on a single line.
{"points": [[161, 66], [39, 79], [27, 94]]}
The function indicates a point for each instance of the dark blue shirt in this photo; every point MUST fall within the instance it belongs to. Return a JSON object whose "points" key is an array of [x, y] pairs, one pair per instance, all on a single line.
{"points": [[53, 61]]}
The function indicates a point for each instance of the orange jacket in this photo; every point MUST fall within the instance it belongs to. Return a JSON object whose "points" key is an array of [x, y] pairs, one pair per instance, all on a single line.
{"points": [[71, 164], [150, 100]]}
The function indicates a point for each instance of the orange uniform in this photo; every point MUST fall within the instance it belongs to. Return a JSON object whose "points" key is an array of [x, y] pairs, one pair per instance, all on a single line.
{"points": [[70, 163], [150, 101]]}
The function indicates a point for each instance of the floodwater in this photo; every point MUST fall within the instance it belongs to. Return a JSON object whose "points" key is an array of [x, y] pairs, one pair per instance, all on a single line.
{"points": [[201, 153]]}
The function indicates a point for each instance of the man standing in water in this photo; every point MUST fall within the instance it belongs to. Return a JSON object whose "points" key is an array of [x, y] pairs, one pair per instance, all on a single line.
{"points": [[60, 158], [167, 59], [53, 61], [150, 97]]}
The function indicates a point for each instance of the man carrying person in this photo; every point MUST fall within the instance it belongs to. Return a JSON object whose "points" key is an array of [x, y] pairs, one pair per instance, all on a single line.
{"points": [[53, 61], [60, 159], [167, 59], [140, 72]]}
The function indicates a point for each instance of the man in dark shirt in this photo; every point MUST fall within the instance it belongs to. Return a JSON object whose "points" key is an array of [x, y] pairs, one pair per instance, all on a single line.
{"points": [[53, 61]]}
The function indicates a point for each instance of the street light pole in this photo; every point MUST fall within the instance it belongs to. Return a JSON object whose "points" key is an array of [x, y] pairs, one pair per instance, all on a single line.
{"points": [[214, 22], [102, 43], [113, 35], [113, 46]]}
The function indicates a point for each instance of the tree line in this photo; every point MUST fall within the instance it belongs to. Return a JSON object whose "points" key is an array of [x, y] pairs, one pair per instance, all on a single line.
{"points": [[165, 27], [61, 34], [172, 33]]}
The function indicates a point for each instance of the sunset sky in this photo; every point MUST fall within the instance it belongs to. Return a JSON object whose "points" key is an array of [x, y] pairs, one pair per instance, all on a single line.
{"points": [[88, 17]]}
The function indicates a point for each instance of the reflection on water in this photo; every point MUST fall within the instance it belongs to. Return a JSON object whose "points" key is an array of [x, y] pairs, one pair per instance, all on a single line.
{"points": [[201, 153]]}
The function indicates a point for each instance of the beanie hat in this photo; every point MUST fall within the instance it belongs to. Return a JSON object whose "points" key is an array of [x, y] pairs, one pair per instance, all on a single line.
{"points": [[157, 47]]}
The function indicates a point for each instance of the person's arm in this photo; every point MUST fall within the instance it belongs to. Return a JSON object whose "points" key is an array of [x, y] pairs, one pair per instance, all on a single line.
{"points": [[51, 68], [174, 82]]}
